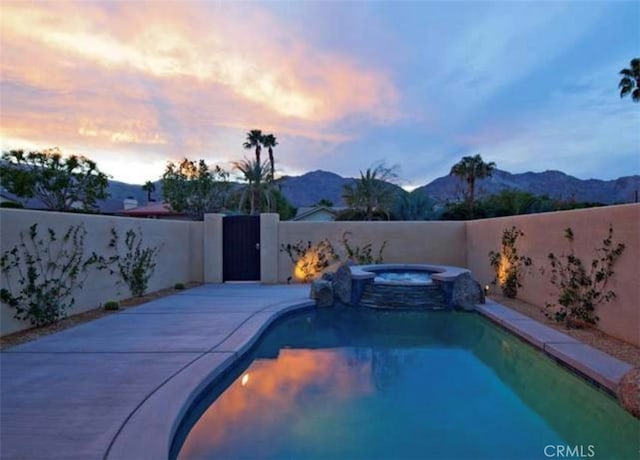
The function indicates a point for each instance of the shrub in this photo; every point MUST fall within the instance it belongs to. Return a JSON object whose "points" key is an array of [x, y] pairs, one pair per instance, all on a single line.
{"points": [[136, 264], [310, 259], [11, 205], [362, 255], [48, 270], [509, 267], [582, 288], [179, 287], [111, 305]]}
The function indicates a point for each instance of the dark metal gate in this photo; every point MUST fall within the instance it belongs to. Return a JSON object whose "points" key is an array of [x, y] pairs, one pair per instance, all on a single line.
{"points": [[241, 248]]}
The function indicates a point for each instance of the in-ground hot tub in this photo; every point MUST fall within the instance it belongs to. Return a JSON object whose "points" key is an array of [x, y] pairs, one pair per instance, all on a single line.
{"points": [[404, 285]]}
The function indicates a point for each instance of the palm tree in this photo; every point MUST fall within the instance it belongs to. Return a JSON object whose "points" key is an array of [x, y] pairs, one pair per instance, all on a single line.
{"points": [[630, 81], [149, 187], [371, 192], [254, 139], [469, 169], [269, 141], [258, 190]]}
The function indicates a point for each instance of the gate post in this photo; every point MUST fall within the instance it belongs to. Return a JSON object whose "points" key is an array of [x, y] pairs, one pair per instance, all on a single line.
{"points": [[212, 257], [269, 252]]}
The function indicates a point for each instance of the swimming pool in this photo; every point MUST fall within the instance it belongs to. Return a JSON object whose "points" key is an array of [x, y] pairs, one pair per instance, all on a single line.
{"points": [[359, 383]]}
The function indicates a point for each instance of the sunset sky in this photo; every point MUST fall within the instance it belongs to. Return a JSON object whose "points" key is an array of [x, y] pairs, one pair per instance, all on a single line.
{"points": [[531, 86]]}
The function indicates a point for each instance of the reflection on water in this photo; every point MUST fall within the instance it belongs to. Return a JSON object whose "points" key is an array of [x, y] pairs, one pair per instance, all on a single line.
{"points": [[362, 384], [274, 390]]}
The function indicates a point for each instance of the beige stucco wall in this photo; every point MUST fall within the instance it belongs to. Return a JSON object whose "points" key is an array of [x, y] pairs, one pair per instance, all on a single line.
{"points": [[544, 233], [180, 259], [435, 242]]}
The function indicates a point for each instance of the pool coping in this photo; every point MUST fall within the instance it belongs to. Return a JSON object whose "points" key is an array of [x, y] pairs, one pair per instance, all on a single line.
{"points": [[598, 367], [158, 418]]}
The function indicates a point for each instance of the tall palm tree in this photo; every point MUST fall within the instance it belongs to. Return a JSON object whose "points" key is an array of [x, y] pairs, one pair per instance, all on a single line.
{"points": [[630, 81], [254, 140], [149, 187], [258, 190], [269, 141], [469, 169]]}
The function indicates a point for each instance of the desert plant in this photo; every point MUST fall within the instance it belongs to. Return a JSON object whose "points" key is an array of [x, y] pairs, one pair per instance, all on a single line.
{"points": [[309, 259], [111, 305], [509, 266], [134, 263], [582, 288], [48, 270], [179, 287], [362, 255]]}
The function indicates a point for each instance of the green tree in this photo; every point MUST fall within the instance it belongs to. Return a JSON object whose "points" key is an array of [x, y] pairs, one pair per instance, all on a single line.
{"points": [[469, 169], [149, 187], [269, 141], [630, 81], [61, 183], [372, 192], [282, 206], [194, 188], [254, 139], [324, 202], [258, 192], [413, 206]]}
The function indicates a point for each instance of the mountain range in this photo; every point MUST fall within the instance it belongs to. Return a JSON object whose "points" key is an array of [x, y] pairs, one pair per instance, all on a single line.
{"points": [[311, 187], [308, 189]]}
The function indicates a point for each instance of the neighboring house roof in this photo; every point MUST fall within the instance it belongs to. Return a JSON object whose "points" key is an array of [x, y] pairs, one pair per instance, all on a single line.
{"points": [[305, 213], [160, 209]]}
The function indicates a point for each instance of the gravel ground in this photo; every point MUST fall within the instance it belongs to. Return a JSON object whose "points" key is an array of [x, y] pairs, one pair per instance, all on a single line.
{"points": [[32, 334], [591, 336]]}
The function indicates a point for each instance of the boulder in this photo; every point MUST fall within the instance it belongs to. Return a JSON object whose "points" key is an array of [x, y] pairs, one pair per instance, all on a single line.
{"points": [[322, 293], [342, 283], [327, 273], [466, 293], [629, 391]]}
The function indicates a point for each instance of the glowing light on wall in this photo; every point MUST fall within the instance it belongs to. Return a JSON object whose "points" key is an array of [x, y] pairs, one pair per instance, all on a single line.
{"points": [[305, 268], [245, 380], [503, 270]]}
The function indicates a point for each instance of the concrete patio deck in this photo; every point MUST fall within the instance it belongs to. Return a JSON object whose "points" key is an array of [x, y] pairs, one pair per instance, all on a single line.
{"points": [[70, 395]]}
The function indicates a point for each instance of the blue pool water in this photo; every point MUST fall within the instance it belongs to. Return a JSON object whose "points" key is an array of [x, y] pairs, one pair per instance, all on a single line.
{"points": [[363, 384], [403, 276]]}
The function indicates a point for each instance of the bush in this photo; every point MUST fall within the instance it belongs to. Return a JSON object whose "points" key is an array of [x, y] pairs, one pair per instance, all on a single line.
{"points": [[179, 287], [11, 205], [309, 259], [136, 265], [509, 267], [582, 288], [48, 270], [362, 255], [111, 305]]}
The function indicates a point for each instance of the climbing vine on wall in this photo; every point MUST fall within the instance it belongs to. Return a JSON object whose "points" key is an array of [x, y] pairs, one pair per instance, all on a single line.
{"points": [[582, 287], [41, 273], [509, 266]]}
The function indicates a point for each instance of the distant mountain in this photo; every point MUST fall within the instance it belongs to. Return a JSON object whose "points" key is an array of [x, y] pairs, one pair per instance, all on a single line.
{"points": [[555, 184], [308, 189]]}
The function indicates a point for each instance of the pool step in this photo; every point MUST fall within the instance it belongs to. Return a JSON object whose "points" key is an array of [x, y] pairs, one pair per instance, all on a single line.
{"points": [[428, 297]]}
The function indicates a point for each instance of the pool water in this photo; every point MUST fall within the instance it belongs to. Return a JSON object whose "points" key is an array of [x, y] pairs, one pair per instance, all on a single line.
{"points": [[407, 276], [354, 383]]}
